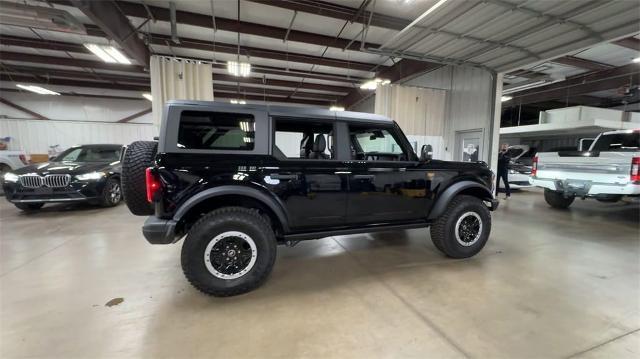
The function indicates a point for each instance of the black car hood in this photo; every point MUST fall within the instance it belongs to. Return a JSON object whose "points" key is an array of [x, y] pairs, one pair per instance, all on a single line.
{"points": [[72, 168]]}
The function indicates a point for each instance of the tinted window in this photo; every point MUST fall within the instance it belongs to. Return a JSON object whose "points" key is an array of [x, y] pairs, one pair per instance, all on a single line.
{"points": [[89, 154], [618, 142], [216, 130], [304, 139]]}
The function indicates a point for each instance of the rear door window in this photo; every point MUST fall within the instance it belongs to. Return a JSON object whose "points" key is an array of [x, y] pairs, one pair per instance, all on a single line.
{"points": [[216, 131]]}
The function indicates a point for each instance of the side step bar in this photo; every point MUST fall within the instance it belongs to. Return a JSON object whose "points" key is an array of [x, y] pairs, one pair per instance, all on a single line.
{"points": [[342, 232]]}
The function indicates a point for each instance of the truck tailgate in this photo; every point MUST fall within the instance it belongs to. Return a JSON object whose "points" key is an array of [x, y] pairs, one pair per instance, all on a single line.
{"points": [[606, 167]]}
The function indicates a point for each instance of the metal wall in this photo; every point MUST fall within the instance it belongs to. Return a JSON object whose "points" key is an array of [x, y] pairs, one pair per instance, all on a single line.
{"points": [[471, 97], [35, 136]]}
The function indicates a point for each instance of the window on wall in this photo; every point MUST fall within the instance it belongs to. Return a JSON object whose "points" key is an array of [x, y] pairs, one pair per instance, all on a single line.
{"points": [[375, 144], [216, 131], [303, 139]]}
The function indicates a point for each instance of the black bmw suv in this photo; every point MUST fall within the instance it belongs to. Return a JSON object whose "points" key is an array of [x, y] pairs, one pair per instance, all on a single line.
{"points": [[239, 180], [88, 173]]}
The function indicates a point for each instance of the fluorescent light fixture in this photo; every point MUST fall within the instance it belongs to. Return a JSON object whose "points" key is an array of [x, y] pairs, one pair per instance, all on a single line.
{"points": [[636, 60], [147, 96], [526, 86], [336, 108], [239, 68], [238, 102], [505, 98], [37, 89], [116, 54], [386, 82], [108, 54], [372, 84]]}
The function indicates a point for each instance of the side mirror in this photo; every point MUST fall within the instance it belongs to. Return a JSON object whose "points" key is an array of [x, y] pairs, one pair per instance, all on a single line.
{"points": [[426, 153]]}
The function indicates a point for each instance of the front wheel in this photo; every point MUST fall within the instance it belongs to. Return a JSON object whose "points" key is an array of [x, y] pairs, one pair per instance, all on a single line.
{"points": [[229, 251], [28, 207], [111, 194], [464, 228], [557, 199]]}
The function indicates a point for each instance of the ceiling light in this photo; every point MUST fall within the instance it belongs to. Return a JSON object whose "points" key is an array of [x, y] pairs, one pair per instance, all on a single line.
{"points": [[37, 89], [147, 96], [336, 108], [238, 102], [525, 86], [505, 98], [108, 54], [636, 60], [239, 68], [369, 85]]}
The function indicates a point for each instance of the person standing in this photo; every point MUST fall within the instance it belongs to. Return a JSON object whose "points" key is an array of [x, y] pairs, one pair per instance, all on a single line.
{"points": [[503, 170]]}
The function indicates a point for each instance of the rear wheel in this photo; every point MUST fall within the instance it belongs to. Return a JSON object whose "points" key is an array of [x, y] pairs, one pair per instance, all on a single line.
{"points": [[229, 251], [138, 156], [27, 207], [464, 228], [557, 199]]}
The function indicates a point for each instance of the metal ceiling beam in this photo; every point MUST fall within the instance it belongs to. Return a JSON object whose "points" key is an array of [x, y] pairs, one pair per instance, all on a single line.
{"points": [[135, 115], [581, 85], [61, 61], [110, 19], [145, 87], [581, 63], [23, 109], [232, 25], [630, 43]]}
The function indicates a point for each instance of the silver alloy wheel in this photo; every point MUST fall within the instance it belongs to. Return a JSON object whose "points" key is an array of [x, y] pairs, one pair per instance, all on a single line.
{"points": [[468, 229], [230, 255], [114, 192]]}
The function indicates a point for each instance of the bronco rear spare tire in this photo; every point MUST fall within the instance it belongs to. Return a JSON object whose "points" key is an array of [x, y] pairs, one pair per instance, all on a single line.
{"points": [[138, 156]]}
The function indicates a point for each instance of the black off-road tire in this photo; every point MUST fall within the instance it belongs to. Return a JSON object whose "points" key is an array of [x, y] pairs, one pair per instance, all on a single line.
{"points": [[138, 156], [109, 199], [29, 207], [245, 220], [443, 231], [557, 199]]}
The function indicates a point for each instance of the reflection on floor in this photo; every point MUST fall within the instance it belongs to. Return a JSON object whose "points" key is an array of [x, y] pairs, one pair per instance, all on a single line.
{"points": [[82, 282]]}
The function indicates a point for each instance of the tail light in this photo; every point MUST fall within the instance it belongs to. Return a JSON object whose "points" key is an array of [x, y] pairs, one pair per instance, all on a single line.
{"points": [[153, 184], [635, 170], [534, 166], [23, 158]]}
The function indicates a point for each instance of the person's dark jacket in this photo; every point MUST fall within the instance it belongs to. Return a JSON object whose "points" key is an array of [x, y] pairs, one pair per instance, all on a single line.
{"points": [[503, 160]]}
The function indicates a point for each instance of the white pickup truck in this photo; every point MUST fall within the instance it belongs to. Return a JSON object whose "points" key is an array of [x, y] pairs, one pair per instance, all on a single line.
{"points": [[608, 171]]}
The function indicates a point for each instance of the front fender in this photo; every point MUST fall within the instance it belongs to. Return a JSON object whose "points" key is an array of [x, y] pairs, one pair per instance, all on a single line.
{"points": [[471, 187], [272, 203]]}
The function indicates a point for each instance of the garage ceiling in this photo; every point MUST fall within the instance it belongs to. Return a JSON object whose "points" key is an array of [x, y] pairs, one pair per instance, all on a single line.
{"points": [[319, 52]]}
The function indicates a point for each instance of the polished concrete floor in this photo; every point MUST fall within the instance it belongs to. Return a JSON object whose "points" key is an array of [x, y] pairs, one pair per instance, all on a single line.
{"points": [[82, 282]]}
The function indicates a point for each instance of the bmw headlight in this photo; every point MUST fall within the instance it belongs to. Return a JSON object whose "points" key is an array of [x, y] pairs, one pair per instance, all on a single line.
{"points": [[91, 176], [11, 177]]}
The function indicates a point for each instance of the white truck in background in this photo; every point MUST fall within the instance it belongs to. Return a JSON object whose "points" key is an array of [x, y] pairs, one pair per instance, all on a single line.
{"points": [[12, 160], [608, 171]]}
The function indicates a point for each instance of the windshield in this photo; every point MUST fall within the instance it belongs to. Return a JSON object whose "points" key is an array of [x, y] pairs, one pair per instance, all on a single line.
{"points": [[618, 142], [90, 154]]}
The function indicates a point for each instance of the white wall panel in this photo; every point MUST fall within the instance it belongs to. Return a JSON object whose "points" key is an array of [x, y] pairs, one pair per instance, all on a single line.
{"points": [[35, 136]]}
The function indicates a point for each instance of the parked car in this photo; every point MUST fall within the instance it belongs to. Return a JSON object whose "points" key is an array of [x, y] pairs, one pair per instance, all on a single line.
{"points": [[520, 165], [608, 171], [12, 160], [228, 178], [88, 173]]}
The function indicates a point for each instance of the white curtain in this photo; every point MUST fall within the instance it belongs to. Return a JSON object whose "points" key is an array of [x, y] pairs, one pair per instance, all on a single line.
{"points": [[178, 79]]}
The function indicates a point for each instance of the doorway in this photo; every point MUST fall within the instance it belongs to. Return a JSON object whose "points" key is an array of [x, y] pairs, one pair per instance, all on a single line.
{"points": [[469, 145]]}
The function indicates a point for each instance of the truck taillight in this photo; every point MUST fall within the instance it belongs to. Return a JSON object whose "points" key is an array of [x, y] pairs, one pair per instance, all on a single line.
{"points": [[534, 166], [635, 170], [153, 184], [23, 158]]}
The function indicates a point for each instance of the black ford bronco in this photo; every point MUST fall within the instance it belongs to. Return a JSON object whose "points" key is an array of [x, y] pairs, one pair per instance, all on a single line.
{"points": [[239, 180]]}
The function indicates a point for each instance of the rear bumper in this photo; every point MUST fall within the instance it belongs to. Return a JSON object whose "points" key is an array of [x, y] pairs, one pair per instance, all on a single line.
{"points": [[590, 189], [159, 231]]}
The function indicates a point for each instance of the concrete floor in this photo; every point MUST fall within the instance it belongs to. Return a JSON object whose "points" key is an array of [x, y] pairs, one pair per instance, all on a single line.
{"points": [[549, 284]]}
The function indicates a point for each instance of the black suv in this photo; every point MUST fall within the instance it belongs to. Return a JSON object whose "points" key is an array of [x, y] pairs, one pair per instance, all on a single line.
{"points": [[238, 180], [87, 173]]}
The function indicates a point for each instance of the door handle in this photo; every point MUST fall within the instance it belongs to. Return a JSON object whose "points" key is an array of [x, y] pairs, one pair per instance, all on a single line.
{"points": [[364, 176], [283, 176]]}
